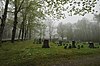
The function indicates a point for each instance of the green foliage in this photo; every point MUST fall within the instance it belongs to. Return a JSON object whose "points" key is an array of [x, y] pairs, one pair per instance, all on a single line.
{"points": [[73, 7]]}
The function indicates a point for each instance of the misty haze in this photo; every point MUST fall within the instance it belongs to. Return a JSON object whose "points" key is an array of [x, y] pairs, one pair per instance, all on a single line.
{"points": [[49, 32]]}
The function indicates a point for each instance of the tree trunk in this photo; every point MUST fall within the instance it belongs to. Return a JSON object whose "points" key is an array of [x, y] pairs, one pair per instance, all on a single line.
{"points": [[50, 37], [15, 23], [30, 33], [22, 31], [25, 36], [14, 28], [62, 38], [3, 19], [19, 34]]}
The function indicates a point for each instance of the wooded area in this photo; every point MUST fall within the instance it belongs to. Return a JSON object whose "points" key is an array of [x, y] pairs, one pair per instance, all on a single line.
{"points": [[21, 20]]}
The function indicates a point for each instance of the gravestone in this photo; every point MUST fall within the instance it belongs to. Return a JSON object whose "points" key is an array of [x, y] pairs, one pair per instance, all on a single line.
{"points": [[46, 43], [69, 46], [91, 45], [78, 47], [40, 41], [60, 43], [65, 46], [81, 46], [73, 44]]}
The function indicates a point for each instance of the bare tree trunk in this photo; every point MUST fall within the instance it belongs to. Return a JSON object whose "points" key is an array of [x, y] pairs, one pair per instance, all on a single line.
{"points": [[30, 34], [22, 31], [15, 23], [25, 36], [19, 34], [14, 28], [50, 37], [17, 9], [62, 38], [3, 19]]}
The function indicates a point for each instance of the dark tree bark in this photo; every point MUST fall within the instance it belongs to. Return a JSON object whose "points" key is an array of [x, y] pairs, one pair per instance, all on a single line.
{"points": [[23, 27], [26, 32], [30, 31], [15, 23], [20, 32], [17, 9], [50, 38], [3, 19]]}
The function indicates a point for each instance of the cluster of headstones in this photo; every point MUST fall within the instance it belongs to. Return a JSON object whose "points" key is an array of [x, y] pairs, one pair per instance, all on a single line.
{"points": [[60, 43], [91, 45], [73, 45]]}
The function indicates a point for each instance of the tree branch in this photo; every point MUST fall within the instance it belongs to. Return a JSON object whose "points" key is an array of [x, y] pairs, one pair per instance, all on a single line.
{"points": [[20, 6], [10, 11]]}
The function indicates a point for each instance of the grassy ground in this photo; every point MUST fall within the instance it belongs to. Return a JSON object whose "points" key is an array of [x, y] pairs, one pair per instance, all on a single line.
{"points": [[28, 54]]}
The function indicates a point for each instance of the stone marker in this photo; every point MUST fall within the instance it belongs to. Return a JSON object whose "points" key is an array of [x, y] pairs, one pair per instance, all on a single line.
{"points": [[78, 47], [60, 43], [65, 46], [91, 45], [40, 41], [69, 46], [73, 44], [46, 43], [81, 46]]}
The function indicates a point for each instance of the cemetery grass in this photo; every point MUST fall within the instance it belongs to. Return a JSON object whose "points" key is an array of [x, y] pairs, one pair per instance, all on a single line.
{"points": [[28, 54]]}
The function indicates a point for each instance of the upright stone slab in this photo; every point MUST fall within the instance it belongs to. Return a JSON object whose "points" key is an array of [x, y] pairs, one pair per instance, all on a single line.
{"points": [[91, 45], [78, 47], [40, 41], [82, 46], [60, 43], [69, 46], [73, 44], [46, 43]]}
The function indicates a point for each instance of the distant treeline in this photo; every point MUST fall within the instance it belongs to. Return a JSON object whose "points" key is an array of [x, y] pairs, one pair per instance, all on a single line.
{"points": [[83, 30]]}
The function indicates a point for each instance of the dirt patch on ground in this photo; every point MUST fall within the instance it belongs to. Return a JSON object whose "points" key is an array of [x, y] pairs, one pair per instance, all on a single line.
{"points": [[83, 61]]}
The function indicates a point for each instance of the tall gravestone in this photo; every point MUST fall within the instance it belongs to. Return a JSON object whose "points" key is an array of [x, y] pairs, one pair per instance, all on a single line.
{"points": [[46, 43], [73, 44], [60, 43]]}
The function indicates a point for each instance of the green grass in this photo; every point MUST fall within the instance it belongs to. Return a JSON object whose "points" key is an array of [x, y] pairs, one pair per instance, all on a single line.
{"points": [[28, 54]]}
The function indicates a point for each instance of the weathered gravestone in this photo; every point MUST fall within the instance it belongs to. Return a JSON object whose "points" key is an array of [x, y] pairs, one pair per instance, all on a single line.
{"points": [[81, 46], [46, 43], [60, 43], [40, 41], [69, 46], [91, 45], [73, 44], [65, 47], [78, 47]]}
